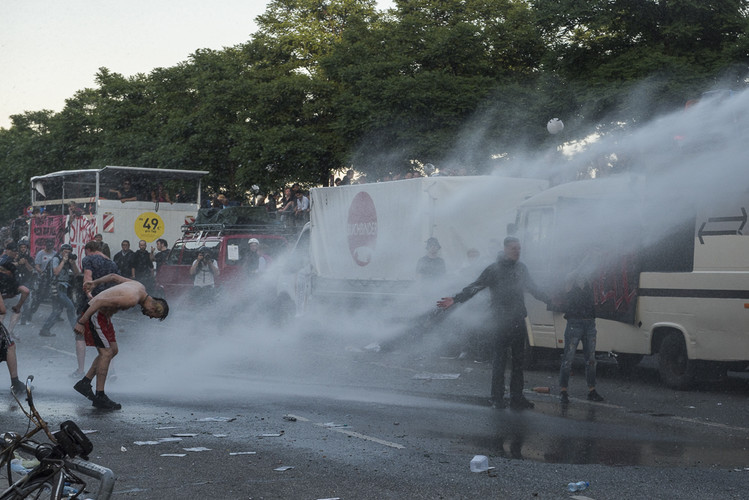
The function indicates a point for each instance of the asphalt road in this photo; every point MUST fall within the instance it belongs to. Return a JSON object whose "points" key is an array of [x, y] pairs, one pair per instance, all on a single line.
{"points": [[310, 413]]}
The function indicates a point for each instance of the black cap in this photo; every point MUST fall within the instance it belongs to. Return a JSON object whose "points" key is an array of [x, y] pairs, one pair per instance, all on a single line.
{"points": [[11, 245]]}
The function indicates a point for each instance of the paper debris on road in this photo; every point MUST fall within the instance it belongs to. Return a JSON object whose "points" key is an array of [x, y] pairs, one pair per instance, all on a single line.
{"points": [[174, 454], [234, 453], [197, 448], [436, 376], [217, 419], [283, 468]]}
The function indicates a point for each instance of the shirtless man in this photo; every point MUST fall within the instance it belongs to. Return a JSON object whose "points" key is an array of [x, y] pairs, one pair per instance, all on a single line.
{"points": [[96, 325]]}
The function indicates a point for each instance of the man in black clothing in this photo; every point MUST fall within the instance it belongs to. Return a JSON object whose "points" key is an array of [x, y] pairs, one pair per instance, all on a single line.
{"points": [[142, 266], [124, 260], [507, 280]]}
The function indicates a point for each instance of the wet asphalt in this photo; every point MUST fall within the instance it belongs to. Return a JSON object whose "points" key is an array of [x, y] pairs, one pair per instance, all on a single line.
{"points": [[350, 422]]}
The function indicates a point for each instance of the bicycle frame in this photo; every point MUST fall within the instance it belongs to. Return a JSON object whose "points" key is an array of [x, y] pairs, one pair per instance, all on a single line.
{"points": [[56, 463]]}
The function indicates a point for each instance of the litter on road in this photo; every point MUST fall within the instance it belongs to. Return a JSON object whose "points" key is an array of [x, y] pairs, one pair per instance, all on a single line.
{"points": [[436, 376], [234, 453], [197, 448]]}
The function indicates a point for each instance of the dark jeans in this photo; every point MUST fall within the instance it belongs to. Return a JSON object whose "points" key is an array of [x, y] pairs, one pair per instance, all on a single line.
{"points": [[579, 330], [510, 335]]}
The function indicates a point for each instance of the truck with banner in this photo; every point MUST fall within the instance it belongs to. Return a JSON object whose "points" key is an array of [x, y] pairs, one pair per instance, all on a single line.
{"points": [[120, 203], [671, 276], [363, 241]]}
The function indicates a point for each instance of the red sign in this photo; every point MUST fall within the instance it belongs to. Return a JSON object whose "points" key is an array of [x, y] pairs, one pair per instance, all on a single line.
{"points": [[46, 228], [81, 230], [362, 228]]}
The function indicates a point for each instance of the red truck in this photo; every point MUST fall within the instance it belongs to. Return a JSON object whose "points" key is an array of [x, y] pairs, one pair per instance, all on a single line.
{"points": [[226, 237]]}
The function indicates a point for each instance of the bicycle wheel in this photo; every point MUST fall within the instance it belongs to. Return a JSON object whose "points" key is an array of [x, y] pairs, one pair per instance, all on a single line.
{"points": [[35, 489]]}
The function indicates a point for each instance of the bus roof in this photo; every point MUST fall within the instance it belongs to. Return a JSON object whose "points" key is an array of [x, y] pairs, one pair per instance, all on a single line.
{"points": [[173, 173]]}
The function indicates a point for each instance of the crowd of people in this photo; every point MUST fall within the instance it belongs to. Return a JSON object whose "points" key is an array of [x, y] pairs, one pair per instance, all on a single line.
{"points": [[107, 286]]}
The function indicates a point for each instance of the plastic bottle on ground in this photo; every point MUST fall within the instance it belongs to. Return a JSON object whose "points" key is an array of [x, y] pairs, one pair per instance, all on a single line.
{"points": [[578, 486], [479, 463]]}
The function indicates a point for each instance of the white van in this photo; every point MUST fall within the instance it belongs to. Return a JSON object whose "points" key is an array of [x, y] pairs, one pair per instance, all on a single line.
{"points": [[676, 278]]}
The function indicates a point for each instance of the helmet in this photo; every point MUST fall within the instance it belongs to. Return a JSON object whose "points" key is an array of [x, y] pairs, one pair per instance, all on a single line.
{"points": [[203, 249], [24, 242], [253, 240], [65, 246]]}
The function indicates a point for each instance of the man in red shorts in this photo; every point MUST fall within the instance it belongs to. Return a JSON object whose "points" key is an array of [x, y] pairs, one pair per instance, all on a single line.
{"points": [[96, 325]]}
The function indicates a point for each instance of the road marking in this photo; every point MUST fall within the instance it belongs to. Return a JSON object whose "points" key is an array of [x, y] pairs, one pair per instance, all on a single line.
{"points": [[352, 433], [59, 350]]}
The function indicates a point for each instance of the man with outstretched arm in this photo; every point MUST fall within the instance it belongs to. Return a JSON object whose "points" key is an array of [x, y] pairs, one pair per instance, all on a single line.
{"points": [[507, 279], [96, 325]]}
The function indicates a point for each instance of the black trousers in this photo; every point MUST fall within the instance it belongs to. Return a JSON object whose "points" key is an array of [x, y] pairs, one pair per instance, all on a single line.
{"points": [[510, 336]]}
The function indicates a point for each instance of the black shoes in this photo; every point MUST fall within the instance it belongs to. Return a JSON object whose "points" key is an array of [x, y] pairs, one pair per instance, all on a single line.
{"points": [[102, 402], [499, 403], [594, 396], [564, 398], [83, 386], [521, 404]]}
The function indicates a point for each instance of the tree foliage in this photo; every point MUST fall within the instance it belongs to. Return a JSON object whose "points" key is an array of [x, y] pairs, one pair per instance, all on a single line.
{"points": [[325, 85]]}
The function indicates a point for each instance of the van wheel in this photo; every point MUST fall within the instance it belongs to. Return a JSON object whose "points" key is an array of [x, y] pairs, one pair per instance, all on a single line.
{"points": [[674, 366], [627, 362]]}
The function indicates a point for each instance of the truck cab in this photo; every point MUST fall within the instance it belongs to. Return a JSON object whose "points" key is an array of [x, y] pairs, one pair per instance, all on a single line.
{"points": [[227, 243]]}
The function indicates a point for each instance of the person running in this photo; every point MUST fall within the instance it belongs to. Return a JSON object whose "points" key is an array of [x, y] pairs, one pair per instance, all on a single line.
{"points": [[96, 325]]}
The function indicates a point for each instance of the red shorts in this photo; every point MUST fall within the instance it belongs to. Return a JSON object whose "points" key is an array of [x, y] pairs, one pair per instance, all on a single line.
{"points": [[99, 331]]}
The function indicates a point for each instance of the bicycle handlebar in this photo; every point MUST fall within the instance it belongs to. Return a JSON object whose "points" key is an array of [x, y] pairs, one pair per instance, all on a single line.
{"points": [[102, 474]]}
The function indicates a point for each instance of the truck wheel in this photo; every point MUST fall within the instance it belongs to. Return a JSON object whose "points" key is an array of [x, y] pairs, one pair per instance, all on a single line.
{"points": [[627, 362], [283, 310], [674, 367]]}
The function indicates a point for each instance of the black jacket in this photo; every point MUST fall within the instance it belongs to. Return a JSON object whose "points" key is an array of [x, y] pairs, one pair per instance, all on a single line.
{"points": [[507, 281]]}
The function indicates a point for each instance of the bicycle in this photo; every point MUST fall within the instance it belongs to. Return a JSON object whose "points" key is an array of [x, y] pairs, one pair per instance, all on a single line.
{"points": [[61, 462]]}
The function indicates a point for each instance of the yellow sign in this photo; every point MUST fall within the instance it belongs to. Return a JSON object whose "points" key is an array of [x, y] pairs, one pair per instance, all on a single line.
{"points": [[149, 226]]}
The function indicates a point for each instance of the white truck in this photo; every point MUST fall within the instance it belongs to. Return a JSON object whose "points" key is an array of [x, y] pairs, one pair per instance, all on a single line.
{"points": [[675, 280], [71, 206], [363, 241]]}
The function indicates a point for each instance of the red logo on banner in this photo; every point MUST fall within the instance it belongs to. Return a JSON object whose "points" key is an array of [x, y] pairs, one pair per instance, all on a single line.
{"points": [[362, 228]]}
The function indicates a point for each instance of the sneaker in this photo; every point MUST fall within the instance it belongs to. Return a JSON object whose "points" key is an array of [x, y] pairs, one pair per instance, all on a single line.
{"points": [[46, 333], [101, 401], [18, 388], [521, 404], [594, 396], [564, 398], [83, 386]]}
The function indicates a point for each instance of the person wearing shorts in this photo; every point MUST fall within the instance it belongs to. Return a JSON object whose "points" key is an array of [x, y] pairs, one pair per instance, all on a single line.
{"points": [[95, 324]]}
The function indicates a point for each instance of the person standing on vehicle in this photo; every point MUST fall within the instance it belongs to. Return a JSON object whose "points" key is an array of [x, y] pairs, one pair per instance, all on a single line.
{"points": [[580, 313], [204, 271], [96, 325], [507, 280], [62, 268], [95, 265]]}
